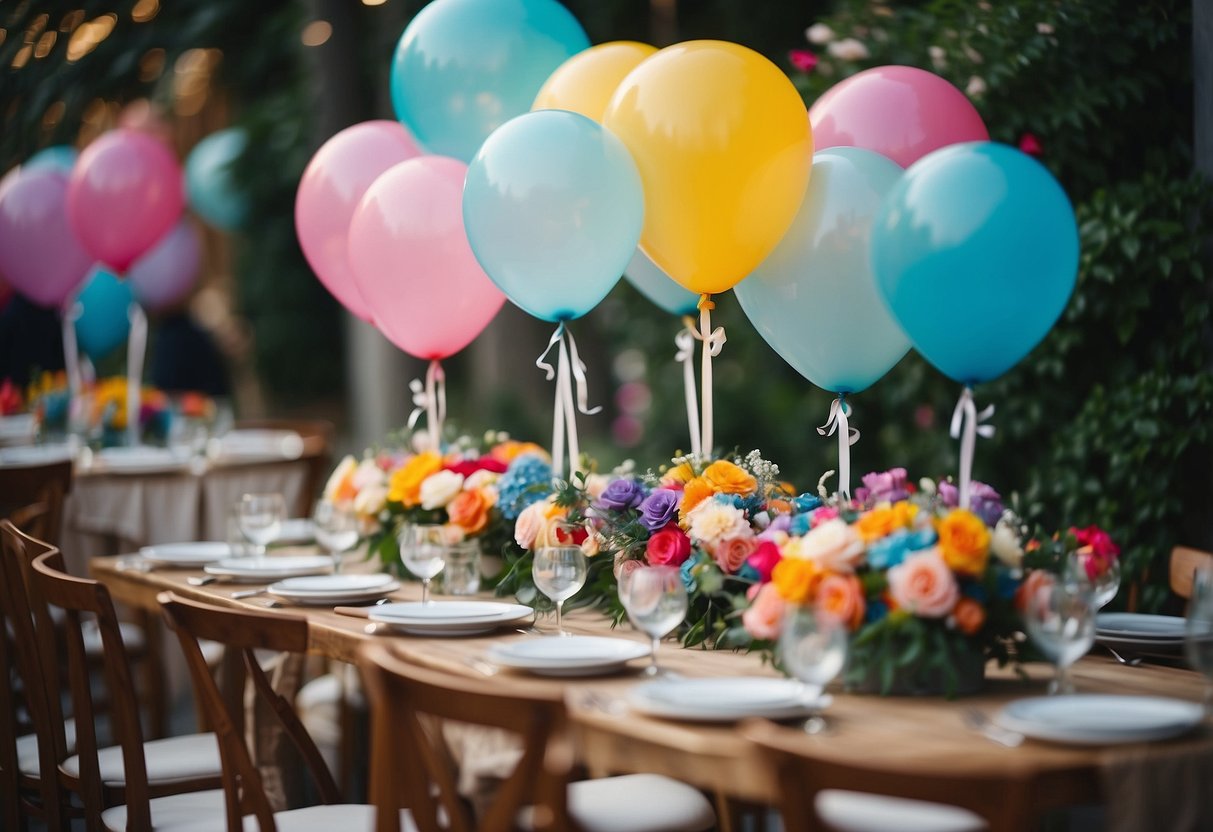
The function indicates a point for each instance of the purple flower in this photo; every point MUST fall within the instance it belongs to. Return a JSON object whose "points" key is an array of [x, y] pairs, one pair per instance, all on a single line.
{"points": [[887, 486], [659, 508], [620, 495], [984, 501]]}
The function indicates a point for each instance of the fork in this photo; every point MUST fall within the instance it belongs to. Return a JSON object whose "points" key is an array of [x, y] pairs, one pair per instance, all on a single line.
{"points": [[979, 721]]}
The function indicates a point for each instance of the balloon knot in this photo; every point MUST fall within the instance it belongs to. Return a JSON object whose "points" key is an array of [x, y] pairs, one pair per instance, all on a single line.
{"points": [[705, 302]]}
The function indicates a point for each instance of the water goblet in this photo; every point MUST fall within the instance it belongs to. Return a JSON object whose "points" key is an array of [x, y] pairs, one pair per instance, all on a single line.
{"points": [[1060, 619], [813, 648], [336, 529], [559, 571], [423, 552], [656, 602], [1096, 575], [1198, 631], [261, 517]]}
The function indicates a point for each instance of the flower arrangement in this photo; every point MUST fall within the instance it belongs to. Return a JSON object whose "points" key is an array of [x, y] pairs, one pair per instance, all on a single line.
{"points": [[107, 416], [11, 400]]}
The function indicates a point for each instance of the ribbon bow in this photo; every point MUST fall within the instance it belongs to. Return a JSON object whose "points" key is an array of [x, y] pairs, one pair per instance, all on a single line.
{"points": [[847, 436], [967, 425], [685, 341], [430, 399], [713, 341], [569, 369]]}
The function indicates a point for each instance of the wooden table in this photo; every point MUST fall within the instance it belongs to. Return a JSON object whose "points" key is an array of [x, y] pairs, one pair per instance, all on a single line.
{"points": [[927, 735]]}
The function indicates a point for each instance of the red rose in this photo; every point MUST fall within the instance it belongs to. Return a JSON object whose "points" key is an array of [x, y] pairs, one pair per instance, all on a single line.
{"points": [[764, 559], [802, 59], [467, 467], [1100, 541], [668, 547]]}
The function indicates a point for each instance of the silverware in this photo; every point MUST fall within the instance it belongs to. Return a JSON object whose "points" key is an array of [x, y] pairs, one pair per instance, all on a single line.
{"points": [[249, 593], [612, 705], [1126, 661], [203, 581], [981, 722]]}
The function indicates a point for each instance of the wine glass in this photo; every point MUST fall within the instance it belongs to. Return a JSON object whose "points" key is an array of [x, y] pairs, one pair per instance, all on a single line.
{"points": [[1060, 618], [813, 647], [261, 517], [336, 529], [656, 601], [423, 551], [1098, 576], [559, 571], [1198, 631]]}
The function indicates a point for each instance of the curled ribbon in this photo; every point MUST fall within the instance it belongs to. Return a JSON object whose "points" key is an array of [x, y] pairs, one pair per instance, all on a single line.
{"points": [[713, 340], [967, 425], [430, 399], [685, 341], [72, 311], [135, 350], [847, 436], [569, 369]]}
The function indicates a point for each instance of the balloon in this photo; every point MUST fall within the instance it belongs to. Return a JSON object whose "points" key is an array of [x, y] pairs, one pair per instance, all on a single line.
{"points": [[61, 157], [815, 299], [585, 82], [103, 325], [465, 67], [211, 185], [125, 194], [901, 112], [412, 262], [657, 286], [334, 182], [553, 207], [976, 252], [39, 255], [165, 275], [723, 146]]}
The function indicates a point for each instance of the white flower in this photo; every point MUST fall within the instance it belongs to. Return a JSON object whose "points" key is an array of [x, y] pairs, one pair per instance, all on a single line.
{"points": [[439, 489], [819, 33], [939, 58], [1044, 28], [367, 474], [1004, 543], [848, 49], [713, 521], [480, 479], [976, 87], [834, 545], [972, 54], [927, 486], [370, 500]]}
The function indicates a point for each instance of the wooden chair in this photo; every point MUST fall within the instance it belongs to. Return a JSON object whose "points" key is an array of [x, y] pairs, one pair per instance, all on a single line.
{"points": [[411, 769], [1185, 563], [132, 772], [317, 435], [820, 792], [24, 485]]}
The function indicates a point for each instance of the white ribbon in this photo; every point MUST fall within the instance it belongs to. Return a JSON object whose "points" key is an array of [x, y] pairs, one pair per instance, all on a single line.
{"points": [[569, 369], [847, 436], [136, 348], [685, 341], [430, 399], [967, 425], [713, 340], [72, 310]]}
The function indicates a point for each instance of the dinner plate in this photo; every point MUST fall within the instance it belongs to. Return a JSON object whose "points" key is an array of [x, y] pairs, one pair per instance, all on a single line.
{"points": [[36, 454], [257, 570], [572, 656], [325, 590], [253, 445], [1100, 719], [19, 427], [185, 554], [1139, 625], [725, 699], [449, 618], [138, 459]]}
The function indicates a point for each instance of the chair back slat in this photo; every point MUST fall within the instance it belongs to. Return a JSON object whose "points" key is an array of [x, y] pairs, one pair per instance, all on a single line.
{"points": [[24, 485], [1185, 563]]}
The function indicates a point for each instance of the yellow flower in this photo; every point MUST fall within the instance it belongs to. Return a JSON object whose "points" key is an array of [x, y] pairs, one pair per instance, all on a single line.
{"points": [[797, 580], [885, 519], [405, 484], [696, 491], [906, 512], [964, 542], [727, 478], [683, 473], [511, 449]]}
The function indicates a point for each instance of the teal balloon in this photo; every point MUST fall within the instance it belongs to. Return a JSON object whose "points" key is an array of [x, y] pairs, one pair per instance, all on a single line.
{"points": [[463, 68], [553, 208], [103, 325], [212, 188], [814, 299], [659, 287], [976, 253], [58, 156]]}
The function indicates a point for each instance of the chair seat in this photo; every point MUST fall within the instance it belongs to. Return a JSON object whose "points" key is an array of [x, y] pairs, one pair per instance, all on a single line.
{"points": [[171, 760], [27, 750], [203, 812], [847, 811], [639, 803]]}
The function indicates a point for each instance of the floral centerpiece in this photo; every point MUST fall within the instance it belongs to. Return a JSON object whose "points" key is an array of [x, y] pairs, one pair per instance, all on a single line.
{"points": [[107, 416], [12, 402]]}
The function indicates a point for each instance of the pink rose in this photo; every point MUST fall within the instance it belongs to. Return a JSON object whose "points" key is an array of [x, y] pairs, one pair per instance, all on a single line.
{"points": [[764, 618], [923, 585], [821, 515], [834, 545], [732, 553], [530, 522], [625, 567], [764, 558], [668, 547]]}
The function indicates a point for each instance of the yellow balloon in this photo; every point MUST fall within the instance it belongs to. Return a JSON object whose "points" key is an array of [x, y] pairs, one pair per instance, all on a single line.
{"points": [[724, 148], [585, 82]]}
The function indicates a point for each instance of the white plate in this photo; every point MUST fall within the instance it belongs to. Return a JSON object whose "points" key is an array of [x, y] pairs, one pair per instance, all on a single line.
{"points": [[140, 459], [1100, 719], [725, 700], [185, 554], [403, 617], [444, 610], [1139, 625], [334, 583], [572, 656], [36, 454], [18, 427], [256, 570], [253, 445], [324, 599], [296, 530]]}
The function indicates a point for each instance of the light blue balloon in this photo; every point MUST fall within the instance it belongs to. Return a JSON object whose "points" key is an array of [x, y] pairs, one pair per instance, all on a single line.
{"points": [[103, 325], [465, 67], [211, 187], [58, 156], [976, 253], [659, 287], [553, 208], [814, 299]]}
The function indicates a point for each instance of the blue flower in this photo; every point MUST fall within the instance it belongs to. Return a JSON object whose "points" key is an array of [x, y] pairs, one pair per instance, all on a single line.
{"points": [[875, 611], [889, 551], [528, 480], [687, 571], [749, 573], [1005, 582], [806, 502], [921, 539], [799, 526]]}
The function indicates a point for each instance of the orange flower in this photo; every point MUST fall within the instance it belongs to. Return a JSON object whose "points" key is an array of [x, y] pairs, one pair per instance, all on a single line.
{"points": [[469, 510], [970, 616], [727, 478], [841, 596], [964, 542], [797, 580], [405, 484], [875, 524], [677, 476], [510, 449], [696, 491]]}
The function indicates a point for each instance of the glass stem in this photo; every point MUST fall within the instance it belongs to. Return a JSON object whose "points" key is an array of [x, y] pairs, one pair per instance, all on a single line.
{"points": [[653, 654], [425, 590], [559, 622], [1063, 678]]}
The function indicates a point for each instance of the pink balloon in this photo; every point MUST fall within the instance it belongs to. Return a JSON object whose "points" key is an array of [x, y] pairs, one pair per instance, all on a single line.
{"points": [[40, 257], [898, 111], [411, 258], [335, 180], [166, 274], [126, 193]]}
